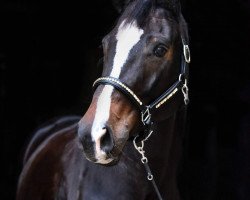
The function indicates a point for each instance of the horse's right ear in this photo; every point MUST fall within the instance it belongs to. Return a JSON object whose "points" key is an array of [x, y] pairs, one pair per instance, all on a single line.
{"points": [[120, 4]]}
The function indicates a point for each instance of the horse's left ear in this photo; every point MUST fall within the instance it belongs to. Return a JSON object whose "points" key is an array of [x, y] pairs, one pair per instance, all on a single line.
{"points": [[120, 4]]}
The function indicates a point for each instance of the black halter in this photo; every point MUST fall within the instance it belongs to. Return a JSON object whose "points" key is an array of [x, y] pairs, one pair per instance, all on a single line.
{"points": [[146, 110]]}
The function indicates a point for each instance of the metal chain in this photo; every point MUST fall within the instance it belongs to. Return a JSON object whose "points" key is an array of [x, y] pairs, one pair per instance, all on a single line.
{"points": [[144, 161], [140, 149], [184, 90]]}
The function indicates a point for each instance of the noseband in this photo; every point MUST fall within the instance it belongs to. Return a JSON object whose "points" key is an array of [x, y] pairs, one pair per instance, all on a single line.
{"points": [[146, 110]]}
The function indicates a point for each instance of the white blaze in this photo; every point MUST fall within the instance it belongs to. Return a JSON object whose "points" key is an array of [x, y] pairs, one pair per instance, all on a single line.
{"points": [[127, 37]]}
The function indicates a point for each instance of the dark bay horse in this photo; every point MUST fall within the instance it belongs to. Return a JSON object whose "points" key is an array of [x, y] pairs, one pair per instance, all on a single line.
{"points": [[128, 145]]}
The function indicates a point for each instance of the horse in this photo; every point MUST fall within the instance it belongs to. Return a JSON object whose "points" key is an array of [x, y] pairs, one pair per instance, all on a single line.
{"points": [[129, 143]]}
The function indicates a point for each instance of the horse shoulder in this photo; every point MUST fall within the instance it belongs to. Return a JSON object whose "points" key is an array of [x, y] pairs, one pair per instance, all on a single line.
{"points": [[44, 173], [47, 129]]}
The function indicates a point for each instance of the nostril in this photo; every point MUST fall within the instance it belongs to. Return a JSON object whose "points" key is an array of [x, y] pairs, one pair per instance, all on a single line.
{"points": [[87, 143], [106, 142]]}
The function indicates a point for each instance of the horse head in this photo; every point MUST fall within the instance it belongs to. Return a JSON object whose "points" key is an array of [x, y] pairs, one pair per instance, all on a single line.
{"points": [[142, 58]]}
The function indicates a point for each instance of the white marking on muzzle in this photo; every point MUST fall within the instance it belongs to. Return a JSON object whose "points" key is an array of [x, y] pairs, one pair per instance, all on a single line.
{"points": [[128, 36]]}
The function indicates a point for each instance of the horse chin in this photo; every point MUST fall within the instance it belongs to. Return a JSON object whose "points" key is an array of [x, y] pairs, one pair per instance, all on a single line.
{"points": [[111, 163], [110, 160], [104, 161]]}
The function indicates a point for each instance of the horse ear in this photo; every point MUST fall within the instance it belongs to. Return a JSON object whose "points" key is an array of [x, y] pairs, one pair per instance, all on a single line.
{"points": [[120, 4]]}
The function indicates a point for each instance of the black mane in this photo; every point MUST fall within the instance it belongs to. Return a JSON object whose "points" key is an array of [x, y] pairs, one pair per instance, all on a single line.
{"points": [[141, 9], [140, 12]]}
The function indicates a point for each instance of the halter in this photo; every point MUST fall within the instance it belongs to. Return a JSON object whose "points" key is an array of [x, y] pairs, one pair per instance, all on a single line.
{"points": [[146, 110]]}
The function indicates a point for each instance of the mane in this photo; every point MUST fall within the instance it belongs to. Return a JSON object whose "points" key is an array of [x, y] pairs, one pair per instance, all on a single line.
{"points": [[141, 9], [140, 12]]}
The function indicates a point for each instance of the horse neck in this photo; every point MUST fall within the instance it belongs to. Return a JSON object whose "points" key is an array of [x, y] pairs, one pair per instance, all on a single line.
{"points": [[168, 135], [165, 150]]}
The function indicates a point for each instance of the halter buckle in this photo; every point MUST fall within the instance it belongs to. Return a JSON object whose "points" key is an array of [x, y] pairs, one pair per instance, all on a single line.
{"points": [[146, 116]]}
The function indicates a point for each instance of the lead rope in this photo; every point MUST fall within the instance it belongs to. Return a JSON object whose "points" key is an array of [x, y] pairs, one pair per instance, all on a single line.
{"points": [[146, 120], [144, 161]]}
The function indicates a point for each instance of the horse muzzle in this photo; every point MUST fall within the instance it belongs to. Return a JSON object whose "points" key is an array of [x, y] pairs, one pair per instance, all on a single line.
{"points": [[103, 137], [102, 148]]}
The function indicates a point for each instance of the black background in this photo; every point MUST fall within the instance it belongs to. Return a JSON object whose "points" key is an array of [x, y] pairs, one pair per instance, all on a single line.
{"points": [[49, 52]]}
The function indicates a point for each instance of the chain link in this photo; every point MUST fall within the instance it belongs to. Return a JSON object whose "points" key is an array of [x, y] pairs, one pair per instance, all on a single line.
{"points": [[184, 90], [144, 160], [140, 149]]}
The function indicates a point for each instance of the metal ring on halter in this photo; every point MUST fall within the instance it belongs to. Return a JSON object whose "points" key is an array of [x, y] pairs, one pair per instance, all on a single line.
{"points": [[186, 52], [146, 116], [181, 77], [138, 148], [144, 160], [150, 177]]}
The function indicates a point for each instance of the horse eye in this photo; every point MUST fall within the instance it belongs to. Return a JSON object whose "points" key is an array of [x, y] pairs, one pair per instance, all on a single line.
{"points": [[160, 50]]}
